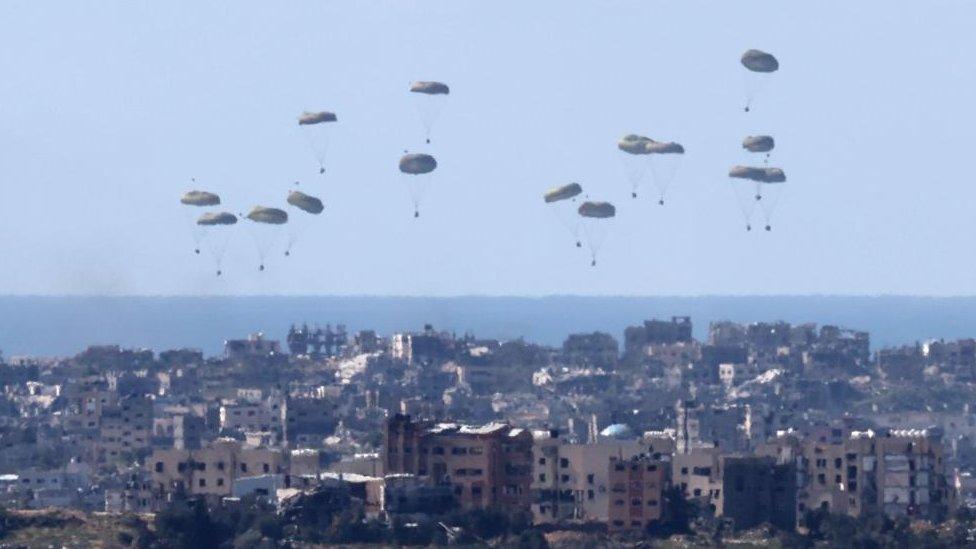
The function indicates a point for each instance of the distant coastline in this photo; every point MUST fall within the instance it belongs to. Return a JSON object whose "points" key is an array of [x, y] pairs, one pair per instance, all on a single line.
{"points": [[64, 325]]}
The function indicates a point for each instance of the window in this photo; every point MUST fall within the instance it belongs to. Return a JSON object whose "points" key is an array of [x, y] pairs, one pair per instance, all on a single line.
{"points": [[438, 451], [590, 494], [589, 478], [684, 470], [220, 482], [542, 477], [220, 465], [563, 462], [652, 503], [243, 467], [159, 466], [542, 461], [266, 468], [459, 451], [476, 491], [618, 502], [635, 502], [203, 483], [476, 450]]}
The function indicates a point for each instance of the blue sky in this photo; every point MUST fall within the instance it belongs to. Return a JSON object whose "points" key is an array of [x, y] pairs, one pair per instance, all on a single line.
{"points": [[107, 109]]}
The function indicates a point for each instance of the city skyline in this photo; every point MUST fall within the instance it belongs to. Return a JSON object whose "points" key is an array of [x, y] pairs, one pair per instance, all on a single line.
{"points": [[108, 111]]}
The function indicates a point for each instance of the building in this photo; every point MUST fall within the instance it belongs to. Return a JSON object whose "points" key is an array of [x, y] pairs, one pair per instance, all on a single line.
{"points": [[125, 429], [637, 488], [210, 471], [895, 472], [757, 490], [698, 473], [596, 350], [486, 465], [254, 346], [657, 332], [307, 421]]}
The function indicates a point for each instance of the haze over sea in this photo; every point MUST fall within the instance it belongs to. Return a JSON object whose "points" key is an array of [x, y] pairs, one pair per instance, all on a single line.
{"points": [[59, 326]]}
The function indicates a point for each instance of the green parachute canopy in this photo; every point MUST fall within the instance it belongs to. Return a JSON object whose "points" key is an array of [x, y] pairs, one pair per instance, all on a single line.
{"points": [[598, 210], [563, 193], [417, 163], [311, 118], [430, 88], [305, 202], [217, 218], [759, 61], [200, 198], [271, 216], [758, 143], [634, 144]]}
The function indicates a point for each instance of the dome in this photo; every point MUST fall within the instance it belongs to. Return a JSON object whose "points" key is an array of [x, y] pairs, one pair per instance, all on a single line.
{"points": [[617, 430]]}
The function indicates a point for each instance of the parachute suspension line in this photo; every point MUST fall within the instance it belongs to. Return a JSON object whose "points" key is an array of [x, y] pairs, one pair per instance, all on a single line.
{"points": [[664, 168], [595, 232], [217, 245], [568, 219], [770, 202], [318, 149], [747, 204]]}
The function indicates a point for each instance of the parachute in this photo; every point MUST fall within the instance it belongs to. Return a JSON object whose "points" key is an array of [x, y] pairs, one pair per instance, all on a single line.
{"points": [[270, 216], [635, 159], [595, 216], [317, 126], [216, 235], [759, 61], [760, 65], [212, 219], [563, 193], [642, 152], [561, 201], [200, 198], [758, 143], [306, 203], [430, 100], [266, 229], [430, 88], [413, 165], [761, 186], [665, 161]]}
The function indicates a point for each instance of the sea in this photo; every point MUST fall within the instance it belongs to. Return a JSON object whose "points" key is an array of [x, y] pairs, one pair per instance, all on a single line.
{"points": [[62, 326]]}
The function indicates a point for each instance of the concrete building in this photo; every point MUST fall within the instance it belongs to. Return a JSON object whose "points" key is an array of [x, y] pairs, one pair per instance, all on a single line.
{"points": [[699, 475], [212, 470], [895, 472], [636, 493], [486, 465], [757, 490], [125, 429]]}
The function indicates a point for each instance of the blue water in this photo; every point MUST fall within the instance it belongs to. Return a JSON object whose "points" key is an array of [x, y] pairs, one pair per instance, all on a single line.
{"points": [[59, 326]]}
